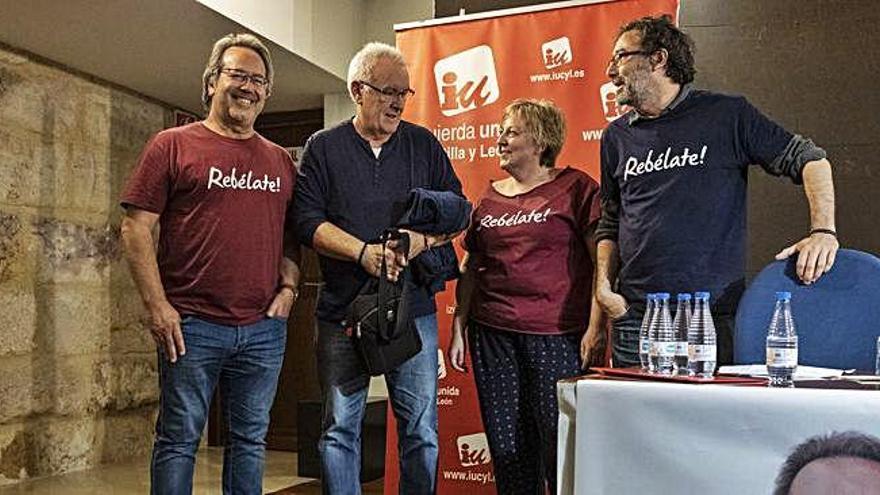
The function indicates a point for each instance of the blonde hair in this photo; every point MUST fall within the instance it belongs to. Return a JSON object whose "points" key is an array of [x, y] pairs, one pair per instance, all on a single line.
{"points": [[544, 122]]}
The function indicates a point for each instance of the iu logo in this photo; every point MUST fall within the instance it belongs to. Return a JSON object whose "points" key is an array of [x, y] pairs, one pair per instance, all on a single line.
{"points": [[473, 450], [466, 80], [609, 106], [556, 52]]}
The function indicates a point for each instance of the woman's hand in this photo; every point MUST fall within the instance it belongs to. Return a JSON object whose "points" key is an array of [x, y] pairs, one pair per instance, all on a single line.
{"points": [[593, 348], [457, 346]]}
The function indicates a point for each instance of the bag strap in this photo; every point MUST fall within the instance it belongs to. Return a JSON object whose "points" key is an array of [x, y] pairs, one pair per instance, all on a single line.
{"points": [[387, 289]]}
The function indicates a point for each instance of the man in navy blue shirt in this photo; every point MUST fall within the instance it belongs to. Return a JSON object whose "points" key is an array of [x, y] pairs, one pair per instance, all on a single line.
{"points": [[674, 172], [354, 183]]}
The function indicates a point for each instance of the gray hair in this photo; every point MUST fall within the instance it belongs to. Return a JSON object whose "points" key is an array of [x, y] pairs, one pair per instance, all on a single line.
{"points": [[215, 61], [364, 62]]}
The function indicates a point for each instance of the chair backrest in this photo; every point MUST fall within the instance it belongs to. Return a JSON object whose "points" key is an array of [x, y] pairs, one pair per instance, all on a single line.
{"points": [[837, 318]]}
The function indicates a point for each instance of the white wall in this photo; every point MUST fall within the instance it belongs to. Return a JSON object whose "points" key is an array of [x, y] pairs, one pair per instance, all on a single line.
{"points": [[324, 32], [337, 107], [327, 33], [270, 18], [337, 33], [382, 15]]}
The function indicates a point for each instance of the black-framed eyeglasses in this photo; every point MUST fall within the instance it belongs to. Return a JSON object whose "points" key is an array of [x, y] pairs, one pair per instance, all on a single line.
{"points": [[242, 77], [617, 57], [389, 92]]}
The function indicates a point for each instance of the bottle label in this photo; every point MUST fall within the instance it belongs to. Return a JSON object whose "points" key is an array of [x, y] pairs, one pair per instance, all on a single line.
{"points": [[681, 348], [782, 358], [644, 346], [663, 349], [703, 352]]}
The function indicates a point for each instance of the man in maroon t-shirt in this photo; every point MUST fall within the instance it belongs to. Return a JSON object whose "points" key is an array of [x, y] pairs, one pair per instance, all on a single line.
{"points": [[219, 287]]}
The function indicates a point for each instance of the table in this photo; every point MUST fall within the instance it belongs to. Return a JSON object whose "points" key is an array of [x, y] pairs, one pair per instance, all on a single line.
{"points": [[637, 437]]}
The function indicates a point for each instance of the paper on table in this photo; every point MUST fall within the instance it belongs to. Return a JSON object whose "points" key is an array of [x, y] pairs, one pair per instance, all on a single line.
{"points": [[802, 372]]}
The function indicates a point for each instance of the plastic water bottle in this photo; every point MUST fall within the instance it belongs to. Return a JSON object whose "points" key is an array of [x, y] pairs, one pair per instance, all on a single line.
{"points": [[644, 341], [782, 343], [662, 337], [702, 346], [652, 334], [877, 359], [683, 314]]}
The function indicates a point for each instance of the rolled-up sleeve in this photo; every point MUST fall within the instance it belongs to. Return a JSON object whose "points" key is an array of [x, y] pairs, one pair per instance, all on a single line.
{"points": [[798, 152], [310, 194], [776, 150]]}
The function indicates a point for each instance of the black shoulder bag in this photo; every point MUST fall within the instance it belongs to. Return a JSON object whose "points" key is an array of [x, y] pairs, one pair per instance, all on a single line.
{"points": [[379, 321]]}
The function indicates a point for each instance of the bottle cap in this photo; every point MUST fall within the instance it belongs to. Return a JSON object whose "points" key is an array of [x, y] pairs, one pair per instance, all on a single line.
{"points": [[701, 295], [783, 296], [662, 296], [684, 297]]}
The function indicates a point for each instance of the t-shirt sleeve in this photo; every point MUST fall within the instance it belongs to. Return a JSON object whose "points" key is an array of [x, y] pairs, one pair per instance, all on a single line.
{"points": [[588, 204], [469, 240], [761, 139], [310, 193], [609, 196], [149, 184]]}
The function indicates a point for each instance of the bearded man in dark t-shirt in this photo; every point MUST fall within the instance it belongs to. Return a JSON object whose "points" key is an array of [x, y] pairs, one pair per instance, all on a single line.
{"points": [[673, 187], [219, 287]]}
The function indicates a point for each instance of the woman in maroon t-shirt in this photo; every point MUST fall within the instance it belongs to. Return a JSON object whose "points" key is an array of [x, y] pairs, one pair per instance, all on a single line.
{"points": [[525, 296]]}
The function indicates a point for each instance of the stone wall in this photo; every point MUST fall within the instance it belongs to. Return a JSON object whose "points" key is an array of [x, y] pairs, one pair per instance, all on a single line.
{"points": [[77, 369]]}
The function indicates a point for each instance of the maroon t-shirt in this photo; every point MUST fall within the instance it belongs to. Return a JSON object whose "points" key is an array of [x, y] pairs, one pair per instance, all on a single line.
{"points": [[222, 204], [534, 273]]}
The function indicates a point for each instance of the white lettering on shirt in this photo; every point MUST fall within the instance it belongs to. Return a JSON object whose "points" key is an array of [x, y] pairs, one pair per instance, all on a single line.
{"points": [[518, 218], [663, 161], [216, 178]]}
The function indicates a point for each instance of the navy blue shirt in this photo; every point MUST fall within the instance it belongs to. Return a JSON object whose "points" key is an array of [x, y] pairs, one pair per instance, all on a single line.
{"points": [[342, 182], [674, 193]]}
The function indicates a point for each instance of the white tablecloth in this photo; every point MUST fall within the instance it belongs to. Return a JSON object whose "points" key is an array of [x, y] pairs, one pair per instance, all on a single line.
{"points": [[645, 438]]}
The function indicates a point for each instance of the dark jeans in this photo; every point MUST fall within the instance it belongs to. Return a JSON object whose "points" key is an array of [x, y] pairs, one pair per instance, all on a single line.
{"points": [[516, 377], [625, 337], [245, 361], [412, 389]]}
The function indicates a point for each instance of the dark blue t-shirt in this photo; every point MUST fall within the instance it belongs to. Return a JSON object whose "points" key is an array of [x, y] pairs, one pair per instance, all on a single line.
{"points": [[342, 182], [680, 182]]}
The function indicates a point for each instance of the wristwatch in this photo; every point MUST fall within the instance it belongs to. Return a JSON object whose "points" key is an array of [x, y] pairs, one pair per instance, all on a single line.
{"points": [[292, 288]]}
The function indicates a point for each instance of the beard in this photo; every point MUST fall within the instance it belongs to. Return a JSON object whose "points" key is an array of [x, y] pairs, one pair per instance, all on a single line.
{"points": [[636, 88], [237, 116]]}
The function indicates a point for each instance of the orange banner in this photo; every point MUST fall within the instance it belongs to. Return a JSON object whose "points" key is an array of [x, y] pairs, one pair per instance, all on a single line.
{"points": [[464, 74]]}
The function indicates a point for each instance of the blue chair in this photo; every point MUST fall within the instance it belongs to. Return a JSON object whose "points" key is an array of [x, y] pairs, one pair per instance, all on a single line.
{"points": [[837, 318]]}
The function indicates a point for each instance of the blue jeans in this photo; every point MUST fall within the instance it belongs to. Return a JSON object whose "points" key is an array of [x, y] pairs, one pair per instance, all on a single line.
{"points": [[245, 361], [625, 339], [412, 388]]}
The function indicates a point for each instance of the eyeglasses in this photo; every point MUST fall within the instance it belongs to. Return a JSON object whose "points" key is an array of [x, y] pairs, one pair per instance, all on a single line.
{"points": [[241, 77], [389, 92], [615, 60]]}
